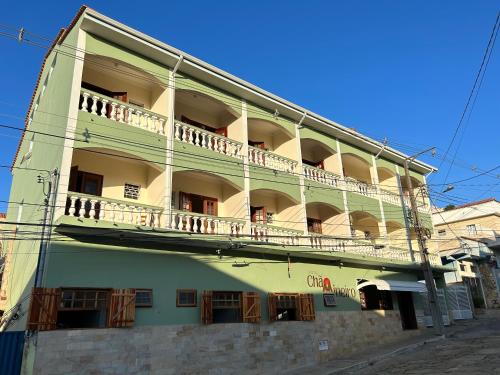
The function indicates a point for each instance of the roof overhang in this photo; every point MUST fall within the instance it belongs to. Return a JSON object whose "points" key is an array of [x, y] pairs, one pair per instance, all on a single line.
{"points": [[395, 285], [116, 32]]}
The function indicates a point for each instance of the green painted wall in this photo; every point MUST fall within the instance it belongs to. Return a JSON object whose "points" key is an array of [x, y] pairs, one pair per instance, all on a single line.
{"points": [[346, 148], [49, 117], [330, 142], [393, 213], [358, 202], [264, 178], [98, 132], [183, 82], [382, 163], [257, 112], [320, 193], [188, 157], [75, 265], [97, 46], [426, 220]]}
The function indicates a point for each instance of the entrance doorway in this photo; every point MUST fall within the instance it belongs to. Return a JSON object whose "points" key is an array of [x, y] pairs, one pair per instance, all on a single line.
{"points": [[407, 310]]}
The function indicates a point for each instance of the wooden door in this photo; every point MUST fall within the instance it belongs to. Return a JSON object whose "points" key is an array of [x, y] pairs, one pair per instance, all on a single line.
{"points": [[210, 206], [259, 215], [91, 184], [320, 164], [185, 202]]}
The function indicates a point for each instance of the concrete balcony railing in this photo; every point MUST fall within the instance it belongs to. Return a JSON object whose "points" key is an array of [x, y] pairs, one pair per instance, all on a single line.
{"points": [[112, 210], [207, 140], [322, 176], [359, 187], [272, 234], [121, 112], [390, 197], [360, 247], [193, 222], [271, 160]]}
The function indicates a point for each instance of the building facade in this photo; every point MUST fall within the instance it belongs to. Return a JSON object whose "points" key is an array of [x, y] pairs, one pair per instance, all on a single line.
{"points": [[198, 223], [466, 237]]}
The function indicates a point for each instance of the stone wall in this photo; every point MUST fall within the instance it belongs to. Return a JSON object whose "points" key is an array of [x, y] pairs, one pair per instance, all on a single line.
{"points": [[266, 348], [490, 287]]}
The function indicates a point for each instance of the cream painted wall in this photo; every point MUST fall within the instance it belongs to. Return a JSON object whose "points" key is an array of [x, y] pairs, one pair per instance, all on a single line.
{"points": [[390, 184], [356, 168], [153, 97], [397, 236], [286, 213], [230, 201], [331, 225], [285, 146], [275, 139], [116, 173], [366, 224]]}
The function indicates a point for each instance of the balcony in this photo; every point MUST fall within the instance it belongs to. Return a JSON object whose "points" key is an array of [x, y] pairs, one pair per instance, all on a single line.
{"points": [[121, 112], [193, 222], [275, 234], [322, 176], [207, 140], [271, 146]]}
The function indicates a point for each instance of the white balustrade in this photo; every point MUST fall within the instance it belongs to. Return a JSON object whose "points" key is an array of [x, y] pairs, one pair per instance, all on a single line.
{"points": [[282, 236], [322, 176], [270, 160], [360, 187], [207, 140], [98, 208], [121, 112], [390, 197], [205, 224]]}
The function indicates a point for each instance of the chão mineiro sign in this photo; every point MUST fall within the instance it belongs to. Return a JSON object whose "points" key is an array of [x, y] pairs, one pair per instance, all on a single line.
{"points": [[314, 281]]}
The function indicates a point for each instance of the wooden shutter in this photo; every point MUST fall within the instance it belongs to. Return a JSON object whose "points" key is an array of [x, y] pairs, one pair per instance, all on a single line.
{"points": [[206, 307], [122, 308], [251, 307], [210, 206], [222, 131], [271, 306], [43, 309], [306, 307], [185, 202]]}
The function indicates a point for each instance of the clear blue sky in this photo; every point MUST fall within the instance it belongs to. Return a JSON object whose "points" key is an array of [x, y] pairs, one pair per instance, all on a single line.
{"points": [[395, 69]]}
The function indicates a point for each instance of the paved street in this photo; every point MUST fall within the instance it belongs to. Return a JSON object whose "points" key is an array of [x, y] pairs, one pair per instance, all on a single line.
{"points": [[473, 350]]}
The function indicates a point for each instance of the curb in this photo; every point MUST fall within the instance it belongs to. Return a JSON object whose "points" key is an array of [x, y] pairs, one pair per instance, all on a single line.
{"points": [[385, 356]]}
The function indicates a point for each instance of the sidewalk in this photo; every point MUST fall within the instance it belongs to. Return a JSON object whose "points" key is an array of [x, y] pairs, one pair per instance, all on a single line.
{"points": [[362, 359]]}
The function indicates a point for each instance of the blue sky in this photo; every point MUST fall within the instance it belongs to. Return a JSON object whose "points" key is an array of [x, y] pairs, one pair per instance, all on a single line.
{"points": [[396, 69]]}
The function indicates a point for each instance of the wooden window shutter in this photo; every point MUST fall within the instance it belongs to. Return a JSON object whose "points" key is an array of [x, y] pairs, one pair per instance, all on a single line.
{"points": [[271, 306], [306, 307], [185, 202], [43, 309], [206, 307], [251, 307], [122, 308]]}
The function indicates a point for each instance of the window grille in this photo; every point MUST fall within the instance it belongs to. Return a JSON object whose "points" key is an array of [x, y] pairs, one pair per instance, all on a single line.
{"points": [[131, 191]]}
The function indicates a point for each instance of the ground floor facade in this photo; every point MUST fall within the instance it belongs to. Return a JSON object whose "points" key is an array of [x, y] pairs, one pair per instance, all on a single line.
{"points": [[125, 309]]}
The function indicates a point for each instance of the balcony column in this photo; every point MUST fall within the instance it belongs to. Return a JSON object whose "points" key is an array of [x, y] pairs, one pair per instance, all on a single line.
{"points": [[382, 225], [406, 210], [246, 169], [300, 168], [343, 186], [168, 221]]}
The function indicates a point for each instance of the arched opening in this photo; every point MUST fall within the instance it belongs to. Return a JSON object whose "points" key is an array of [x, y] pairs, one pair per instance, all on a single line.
{"points": [[120, 176], [207, 194], [269, 136], [419, 190], [364, 226], [387, 180], [271, 207], [125, 83], [317, 154], [356, 167], [396, 233], [325, 219], [207, 113]]}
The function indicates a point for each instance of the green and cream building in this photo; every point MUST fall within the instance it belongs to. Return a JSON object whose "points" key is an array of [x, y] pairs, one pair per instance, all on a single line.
{"points": [[199, 223]]}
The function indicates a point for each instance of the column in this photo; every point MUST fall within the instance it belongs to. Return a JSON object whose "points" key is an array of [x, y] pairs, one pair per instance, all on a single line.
{"points": [[302, 187], [246, 168], [405, 211], [382, 226], [169, 134], [347, 220]]}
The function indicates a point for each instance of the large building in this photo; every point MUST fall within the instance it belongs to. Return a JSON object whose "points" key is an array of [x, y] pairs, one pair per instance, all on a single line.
{"points": [[200, 224], [467, 236]]}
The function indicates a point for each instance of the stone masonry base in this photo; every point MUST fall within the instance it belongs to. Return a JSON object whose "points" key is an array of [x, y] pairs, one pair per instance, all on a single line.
{"points": [[266, 348]]}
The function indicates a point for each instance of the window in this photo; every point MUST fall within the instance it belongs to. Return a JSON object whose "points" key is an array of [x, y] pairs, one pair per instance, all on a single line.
{"points": [[442, 232], [314, 225], [198, 203], [56, 308], [462, 267], [329, 300], [269, 217], [471, 229], [85, 182], [143, 298], [373, 299], [291, 306], [258, 215], [131, 191], [186, 298], [230, 307]]}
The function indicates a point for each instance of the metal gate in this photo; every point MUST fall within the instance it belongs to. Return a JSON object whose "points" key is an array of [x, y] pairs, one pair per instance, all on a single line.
{"points": [[459, 302], [11, 352], [442, 307]]}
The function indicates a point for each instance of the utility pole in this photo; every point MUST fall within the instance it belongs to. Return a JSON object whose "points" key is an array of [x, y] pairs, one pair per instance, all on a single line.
{"points": [[437, 318], [48, 213]]}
